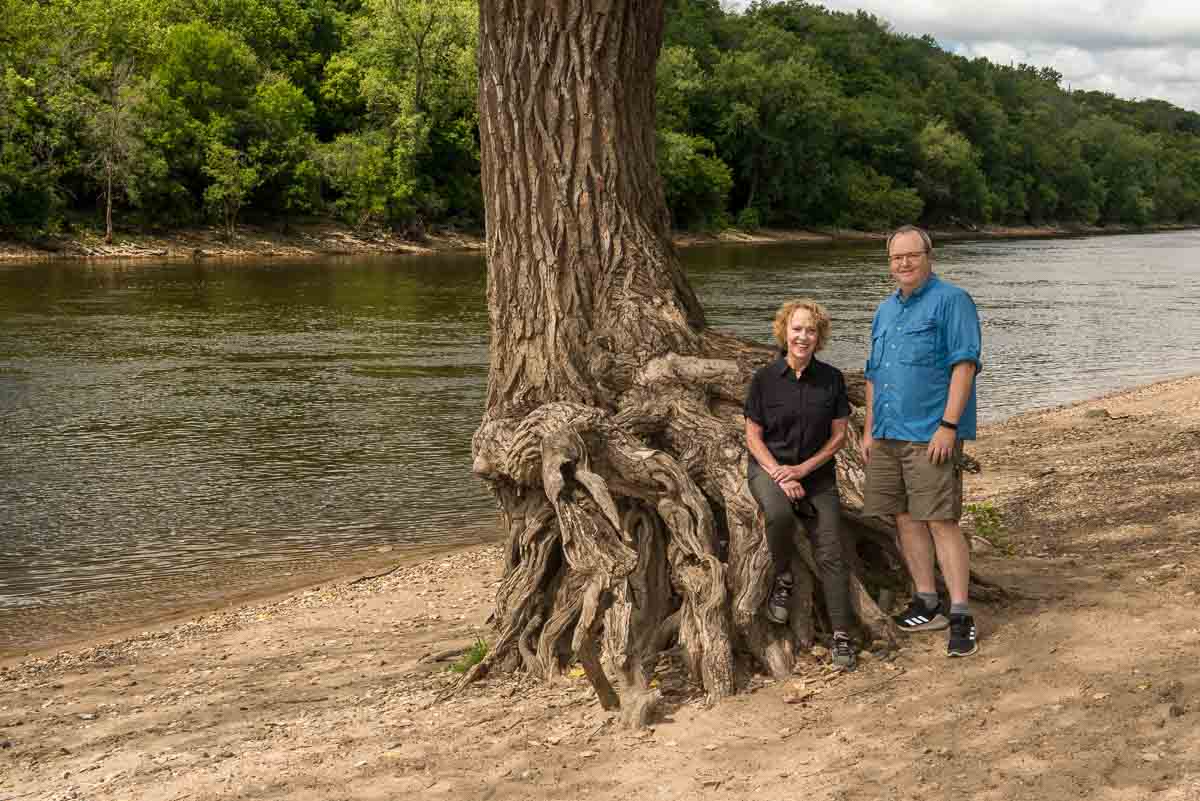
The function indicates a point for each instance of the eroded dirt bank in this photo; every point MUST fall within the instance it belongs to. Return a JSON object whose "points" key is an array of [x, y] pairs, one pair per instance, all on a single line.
{"points": [[1086, 686], [330, 239]]}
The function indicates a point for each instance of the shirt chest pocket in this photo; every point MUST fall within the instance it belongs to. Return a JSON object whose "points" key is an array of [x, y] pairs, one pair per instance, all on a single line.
{"points": [[877, 351], [808, 409], [919, 344], [781, 415]]}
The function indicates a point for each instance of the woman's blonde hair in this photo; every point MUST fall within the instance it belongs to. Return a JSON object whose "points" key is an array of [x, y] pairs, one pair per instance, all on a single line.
{"points": [[784, 316]]}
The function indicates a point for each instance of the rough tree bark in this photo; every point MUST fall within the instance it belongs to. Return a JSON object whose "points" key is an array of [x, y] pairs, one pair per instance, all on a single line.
{"points": [[612, 434]]}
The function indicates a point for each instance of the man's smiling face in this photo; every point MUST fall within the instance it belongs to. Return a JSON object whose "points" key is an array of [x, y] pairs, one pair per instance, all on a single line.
{"points": [[909, 261]]}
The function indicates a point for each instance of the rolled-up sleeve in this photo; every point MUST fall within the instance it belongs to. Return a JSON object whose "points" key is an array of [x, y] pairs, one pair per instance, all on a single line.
{"points": [[964, 340]]}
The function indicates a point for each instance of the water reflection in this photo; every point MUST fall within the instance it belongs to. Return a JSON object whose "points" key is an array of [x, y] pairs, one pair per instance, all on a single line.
{"points": [[170, 431]]}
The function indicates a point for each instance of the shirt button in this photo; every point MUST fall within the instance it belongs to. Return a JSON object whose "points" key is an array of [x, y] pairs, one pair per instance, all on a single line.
{"points": [[887, 364]]}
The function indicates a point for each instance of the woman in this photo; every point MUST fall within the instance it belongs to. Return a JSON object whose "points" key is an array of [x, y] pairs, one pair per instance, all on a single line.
{"points": [[796, 417]]}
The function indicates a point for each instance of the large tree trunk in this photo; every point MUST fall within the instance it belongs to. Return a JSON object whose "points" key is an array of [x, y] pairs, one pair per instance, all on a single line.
{"points": [[612, 434]]}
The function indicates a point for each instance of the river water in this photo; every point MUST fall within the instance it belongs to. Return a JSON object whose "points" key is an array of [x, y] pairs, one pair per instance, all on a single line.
{"points": [[171, 433]]}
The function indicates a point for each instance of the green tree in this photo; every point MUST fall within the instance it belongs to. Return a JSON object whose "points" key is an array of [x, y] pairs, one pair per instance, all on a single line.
{"points": [[695, 181], [282, 145], [210, 72], [948, 176], [1123, 162], [775, 129], [113, 130], [871, 201], [233, 178], [417, 60], [359, 169]]}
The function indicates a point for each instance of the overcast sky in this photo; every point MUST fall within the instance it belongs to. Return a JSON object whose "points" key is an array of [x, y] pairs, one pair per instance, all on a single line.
{"points": [[1132, 48]]}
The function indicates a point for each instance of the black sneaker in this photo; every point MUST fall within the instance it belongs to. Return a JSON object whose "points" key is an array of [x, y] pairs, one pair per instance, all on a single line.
{"points": [[962, 636], [780, 599], [919, 617], [842, 654]]}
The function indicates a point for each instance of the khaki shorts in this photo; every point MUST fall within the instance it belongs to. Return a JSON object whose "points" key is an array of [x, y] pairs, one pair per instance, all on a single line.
{"points": [[900, 478]]}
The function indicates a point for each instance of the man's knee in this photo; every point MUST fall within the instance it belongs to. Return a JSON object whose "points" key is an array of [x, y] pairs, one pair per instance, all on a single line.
{"points": [[945, 529]]}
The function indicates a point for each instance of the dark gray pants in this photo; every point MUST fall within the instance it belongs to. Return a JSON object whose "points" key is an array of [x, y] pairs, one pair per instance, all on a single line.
{"points": [[825, 534]]}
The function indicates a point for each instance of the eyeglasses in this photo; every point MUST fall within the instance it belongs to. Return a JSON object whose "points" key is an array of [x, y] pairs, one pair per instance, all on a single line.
{"points": [[901, 258]]}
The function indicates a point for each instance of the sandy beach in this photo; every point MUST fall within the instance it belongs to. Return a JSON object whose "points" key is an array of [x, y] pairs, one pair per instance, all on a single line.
{"points": [[1086, 686]]}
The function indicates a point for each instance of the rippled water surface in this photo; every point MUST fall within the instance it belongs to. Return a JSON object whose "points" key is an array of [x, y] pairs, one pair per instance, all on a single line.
{"points": [[170, 432]]}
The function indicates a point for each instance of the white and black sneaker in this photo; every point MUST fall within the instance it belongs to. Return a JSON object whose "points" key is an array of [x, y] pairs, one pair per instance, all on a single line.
{"points": [[919, 617], [962, 636], [780, 599]]}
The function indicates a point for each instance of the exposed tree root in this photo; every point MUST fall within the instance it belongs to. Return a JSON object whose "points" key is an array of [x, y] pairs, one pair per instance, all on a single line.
{"points": [[635, 528]]}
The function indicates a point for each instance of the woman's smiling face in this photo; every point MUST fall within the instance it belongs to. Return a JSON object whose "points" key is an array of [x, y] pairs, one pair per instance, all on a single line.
{"points": [[802, 336]]}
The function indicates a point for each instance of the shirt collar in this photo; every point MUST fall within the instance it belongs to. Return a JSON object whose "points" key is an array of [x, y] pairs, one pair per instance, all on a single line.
{"points": [[782, 367], [930, 281]]}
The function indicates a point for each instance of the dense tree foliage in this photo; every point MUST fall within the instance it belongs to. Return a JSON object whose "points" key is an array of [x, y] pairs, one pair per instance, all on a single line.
{"points": [[171, 112]]}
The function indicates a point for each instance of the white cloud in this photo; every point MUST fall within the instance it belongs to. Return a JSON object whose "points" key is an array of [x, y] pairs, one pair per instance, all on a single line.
{"points": [[1088, 23], [1132, 48]]}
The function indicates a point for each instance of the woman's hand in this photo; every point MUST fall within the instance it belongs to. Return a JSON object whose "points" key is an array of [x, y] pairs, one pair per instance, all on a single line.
{"points": [[789, 472], [780, 473], [792, 488]]}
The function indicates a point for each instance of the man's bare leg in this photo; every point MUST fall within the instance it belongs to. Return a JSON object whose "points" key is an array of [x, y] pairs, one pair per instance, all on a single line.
{"points": [[916, 546], [954, 557]]}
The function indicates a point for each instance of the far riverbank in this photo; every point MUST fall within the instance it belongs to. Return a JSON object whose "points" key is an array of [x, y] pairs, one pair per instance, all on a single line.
{"points": [[331, 239]]}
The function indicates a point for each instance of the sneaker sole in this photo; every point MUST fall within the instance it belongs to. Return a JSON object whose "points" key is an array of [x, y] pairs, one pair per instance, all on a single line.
{"points": [[937, 624], [953, 654]]}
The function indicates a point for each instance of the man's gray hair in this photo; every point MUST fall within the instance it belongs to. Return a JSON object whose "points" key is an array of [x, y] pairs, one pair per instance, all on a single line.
{"points": [[911, 229]]}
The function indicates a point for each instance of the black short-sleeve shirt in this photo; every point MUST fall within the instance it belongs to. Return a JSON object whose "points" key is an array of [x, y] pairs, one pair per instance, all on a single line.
{"points": [[797, 413]]}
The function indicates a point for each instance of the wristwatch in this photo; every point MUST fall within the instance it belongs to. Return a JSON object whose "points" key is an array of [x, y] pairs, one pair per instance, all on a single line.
{"points": [[947, 424]]}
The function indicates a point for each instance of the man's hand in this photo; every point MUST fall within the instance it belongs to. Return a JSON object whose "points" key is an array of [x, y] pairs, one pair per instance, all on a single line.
{"points": [[865, 446], [793, 489], [779, 472], [941, 447]]}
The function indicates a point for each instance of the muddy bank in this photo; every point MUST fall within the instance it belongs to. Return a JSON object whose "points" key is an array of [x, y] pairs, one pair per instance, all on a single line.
{"points": [[1085, 687], [327, 239], [299, 241]]}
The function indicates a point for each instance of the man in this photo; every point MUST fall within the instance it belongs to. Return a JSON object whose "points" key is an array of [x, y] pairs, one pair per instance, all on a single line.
{"points": [[925, 348]]}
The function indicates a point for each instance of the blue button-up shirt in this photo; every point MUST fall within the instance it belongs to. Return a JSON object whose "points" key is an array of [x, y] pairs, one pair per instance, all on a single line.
{"points": [[915, 343]]}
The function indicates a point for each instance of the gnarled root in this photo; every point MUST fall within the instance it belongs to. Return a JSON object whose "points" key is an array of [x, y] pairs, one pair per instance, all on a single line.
{"points": [[631, 529]]}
